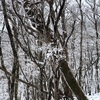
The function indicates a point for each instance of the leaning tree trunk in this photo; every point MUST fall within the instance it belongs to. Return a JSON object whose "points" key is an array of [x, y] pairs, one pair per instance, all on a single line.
{"points": [[72, 81]]}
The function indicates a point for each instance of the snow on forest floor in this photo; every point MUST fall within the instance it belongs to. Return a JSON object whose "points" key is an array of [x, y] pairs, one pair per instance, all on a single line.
{"points": [[94, 97], [4, 92]]}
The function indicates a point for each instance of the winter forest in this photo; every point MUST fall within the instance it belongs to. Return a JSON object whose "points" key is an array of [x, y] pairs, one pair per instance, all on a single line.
{"points": [[49, 49]]}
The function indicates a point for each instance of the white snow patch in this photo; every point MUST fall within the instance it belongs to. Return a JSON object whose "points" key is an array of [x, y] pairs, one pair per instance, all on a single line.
{"points": [[94, 97]]}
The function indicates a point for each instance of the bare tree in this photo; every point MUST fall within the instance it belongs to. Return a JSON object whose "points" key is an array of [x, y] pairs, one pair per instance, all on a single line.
{"points": [[41, 31]]}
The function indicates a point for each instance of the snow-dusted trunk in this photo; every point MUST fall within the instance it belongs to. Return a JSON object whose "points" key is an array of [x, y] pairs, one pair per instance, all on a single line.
{"points": [[96, 43], [17, 63], [15, 68], [3, 67], [56, 86], [81, 42], [64, 34]]}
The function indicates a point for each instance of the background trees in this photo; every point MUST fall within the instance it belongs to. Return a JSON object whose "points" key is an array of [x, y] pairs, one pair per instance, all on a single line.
{"points": [[36, 35]]}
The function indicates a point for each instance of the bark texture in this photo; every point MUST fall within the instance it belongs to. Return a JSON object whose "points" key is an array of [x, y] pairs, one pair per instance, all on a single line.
{"points": [[72, 81]]}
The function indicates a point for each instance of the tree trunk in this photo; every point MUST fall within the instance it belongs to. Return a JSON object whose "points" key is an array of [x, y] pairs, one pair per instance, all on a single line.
{"points": [[15, 68], [81, 43], [72, 81], [97, 47]]}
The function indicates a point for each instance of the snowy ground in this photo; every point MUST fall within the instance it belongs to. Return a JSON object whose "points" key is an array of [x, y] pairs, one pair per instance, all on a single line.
{"points": [[4, 91], [94, 97]]}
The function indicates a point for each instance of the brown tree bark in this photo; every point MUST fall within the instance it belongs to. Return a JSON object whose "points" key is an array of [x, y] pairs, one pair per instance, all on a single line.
{"points": [[72, 81]]}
